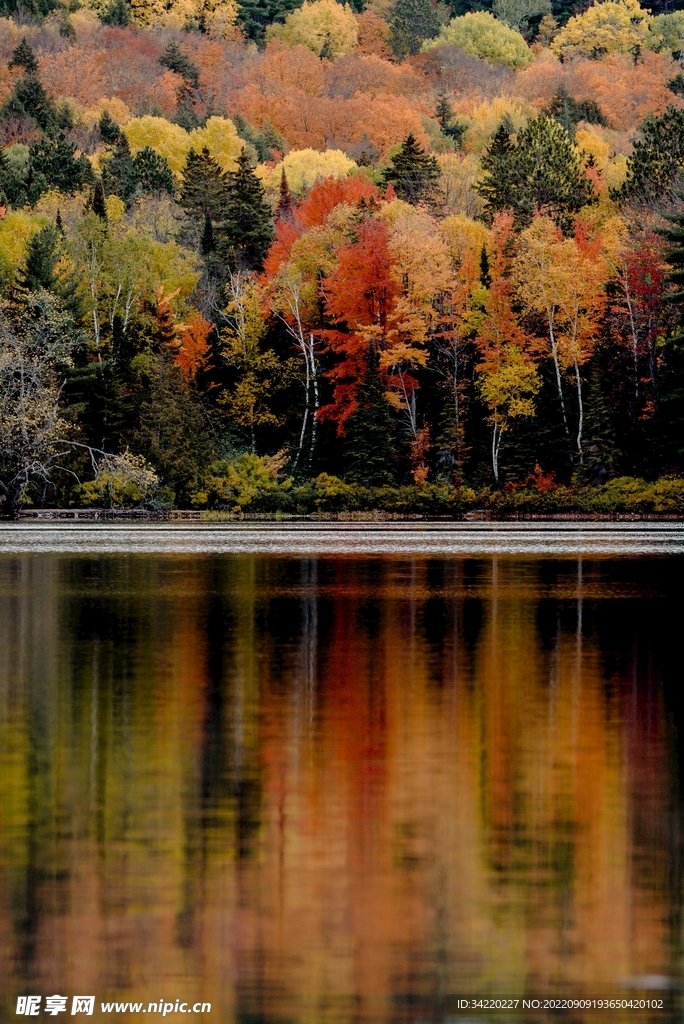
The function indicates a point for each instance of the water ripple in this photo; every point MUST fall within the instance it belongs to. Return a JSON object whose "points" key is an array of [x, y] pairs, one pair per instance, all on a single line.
{"points": [[361, 538]]}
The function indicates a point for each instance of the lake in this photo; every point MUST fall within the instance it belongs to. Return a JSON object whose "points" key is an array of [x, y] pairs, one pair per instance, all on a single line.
{"points": [[338, 775]]}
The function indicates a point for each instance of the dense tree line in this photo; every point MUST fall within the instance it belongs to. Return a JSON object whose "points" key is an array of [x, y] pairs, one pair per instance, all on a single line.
{"points": [[191, 314]]}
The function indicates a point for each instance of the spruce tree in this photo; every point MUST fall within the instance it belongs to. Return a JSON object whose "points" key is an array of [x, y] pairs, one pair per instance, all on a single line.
{"points": [[540, 172], [109, 129], [246, 231], [99, 206], [203, 192], [118, 170], [600, 448], [40, 271], [444, 115], [285, 205], [413, 21], [369, 450], [413, 173], [24, 57]]}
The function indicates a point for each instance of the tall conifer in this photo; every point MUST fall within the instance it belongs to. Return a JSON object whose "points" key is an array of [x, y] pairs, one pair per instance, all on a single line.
{"points": [[369, 448]]}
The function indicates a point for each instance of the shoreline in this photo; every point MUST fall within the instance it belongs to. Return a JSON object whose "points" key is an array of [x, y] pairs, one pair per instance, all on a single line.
{"points": [[95, 515]]}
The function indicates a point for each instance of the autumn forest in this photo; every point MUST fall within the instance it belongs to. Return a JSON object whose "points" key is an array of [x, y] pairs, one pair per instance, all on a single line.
{"points": [[283, 256]]}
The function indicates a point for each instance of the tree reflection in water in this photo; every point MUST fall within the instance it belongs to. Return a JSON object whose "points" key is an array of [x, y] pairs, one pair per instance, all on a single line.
{"points": [[338, 789]]}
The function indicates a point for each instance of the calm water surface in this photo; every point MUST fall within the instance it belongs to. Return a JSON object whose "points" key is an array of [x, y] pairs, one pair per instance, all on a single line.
{"points": [[340, 789]]}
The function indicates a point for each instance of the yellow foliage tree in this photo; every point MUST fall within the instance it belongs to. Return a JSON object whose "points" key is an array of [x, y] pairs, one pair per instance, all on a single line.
{"points": [[482, 35], [16, 230], [324, 26], [303, 168], [563, 280], [219, 135], [615, 26], [260, 370], [216, 16]]}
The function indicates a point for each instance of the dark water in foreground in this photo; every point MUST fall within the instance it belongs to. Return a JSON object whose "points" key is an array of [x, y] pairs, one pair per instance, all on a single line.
{"points": [[340, 789]]}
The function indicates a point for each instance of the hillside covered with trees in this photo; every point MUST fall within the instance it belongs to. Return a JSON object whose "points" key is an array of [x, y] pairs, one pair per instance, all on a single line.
{"points": [[291, 256]]}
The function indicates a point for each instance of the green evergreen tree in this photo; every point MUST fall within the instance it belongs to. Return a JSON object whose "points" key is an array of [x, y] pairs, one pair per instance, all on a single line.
{"points": [[285, 205], [369, 448], [99, 206], [30, 100], [152, 173], [413, 173], [264, 140], [485, 276], [174, 59], [676, 84], [207, 245], [40, 271], [600, 448], [24, 57], [118, 170], [53, 164], [109, 129], [246, 231], [674, 255], [445, 118], [118, 13], [654, 170], [11, 181], [255, 16], [541, 172], [203, 191], [569, 112], [413, 21]]}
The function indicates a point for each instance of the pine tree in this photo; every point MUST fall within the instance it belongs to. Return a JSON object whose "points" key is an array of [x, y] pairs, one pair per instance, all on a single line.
{"points": [[369, 449], [246, 232], [541, 172], [413, 172], [655, 167], [412, 22], [53, 164], [569, 112], [203, 192], [24, 57], [285, 205], [99, 206], [152, 173]]}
